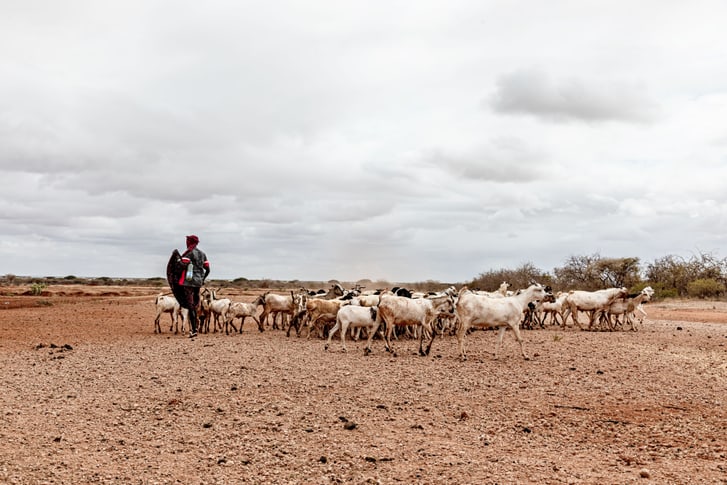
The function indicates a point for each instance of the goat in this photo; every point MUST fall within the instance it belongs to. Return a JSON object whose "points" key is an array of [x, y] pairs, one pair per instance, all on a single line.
{"points": [[640, 308], [399, 291], [498, 293], [530, 316], [204, 314], [336, 291], [242, 310], [183, 315], [315, 311], [368, 300], [354, 317], [554, 309], [480, 311], [285, 305], [402, 311], [365, 300], [451, 291], [167, 304], [218, 308], [626, 307], [533, 311], [591, 301], [445, 323]]}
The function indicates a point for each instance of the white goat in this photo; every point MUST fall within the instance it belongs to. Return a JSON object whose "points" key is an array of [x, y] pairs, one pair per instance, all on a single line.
{"points": [[419, 312], [183, 315], [368, 300], [640, 307], [554, 309], [218, 308], [626, 307], [242, 310], [353, 316], [284, 305], [498, 293], [485, 312], [451, 291], [590, 301], [170, 305], [365, 300]]}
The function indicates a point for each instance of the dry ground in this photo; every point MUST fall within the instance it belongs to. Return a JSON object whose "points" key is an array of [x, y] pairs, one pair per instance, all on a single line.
{"points": [[91, 395]]}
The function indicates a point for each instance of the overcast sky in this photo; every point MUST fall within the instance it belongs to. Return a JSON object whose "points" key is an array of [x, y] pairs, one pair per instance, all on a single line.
{"points": [[398, 140]]}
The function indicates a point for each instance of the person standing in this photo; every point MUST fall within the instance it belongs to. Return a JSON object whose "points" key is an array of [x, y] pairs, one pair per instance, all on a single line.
{"points": [[196, 267]]}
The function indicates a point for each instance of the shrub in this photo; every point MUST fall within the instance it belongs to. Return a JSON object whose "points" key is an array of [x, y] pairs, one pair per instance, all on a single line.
{"points": [[36, 289], [705, 288], [668, 293]]}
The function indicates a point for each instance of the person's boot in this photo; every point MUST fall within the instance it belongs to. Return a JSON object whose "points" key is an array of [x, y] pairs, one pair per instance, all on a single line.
{"points": [[192, 324]]}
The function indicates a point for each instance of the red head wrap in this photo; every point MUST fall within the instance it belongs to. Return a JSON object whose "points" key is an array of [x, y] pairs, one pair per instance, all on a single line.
{"points": [[192, 241]]}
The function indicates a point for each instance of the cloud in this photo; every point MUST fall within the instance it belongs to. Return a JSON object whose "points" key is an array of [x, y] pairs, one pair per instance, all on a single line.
{"points": [[298, 146], [505, 159], [533, 92]]}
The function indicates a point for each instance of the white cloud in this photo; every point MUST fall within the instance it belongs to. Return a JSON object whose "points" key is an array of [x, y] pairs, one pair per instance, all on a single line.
{"points": [[329, 140]]}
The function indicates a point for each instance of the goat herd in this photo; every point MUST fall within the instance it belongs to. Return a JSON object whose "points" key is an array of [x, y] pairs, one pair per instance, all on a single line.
{"points": [[418, 315]]}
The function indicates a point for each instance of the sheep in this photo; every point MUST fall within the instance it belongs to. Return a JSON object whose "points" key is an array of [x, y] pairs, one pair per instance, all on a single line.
{"points": [[480, 311], [591, 301], [242, 310], [352, 316], [402, 311], [167, 304]]}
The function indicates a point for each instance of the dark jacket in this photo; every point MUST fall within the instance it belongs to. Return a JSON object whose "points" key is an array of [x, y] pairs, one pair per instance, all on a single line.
{"points": [[196, 261]]}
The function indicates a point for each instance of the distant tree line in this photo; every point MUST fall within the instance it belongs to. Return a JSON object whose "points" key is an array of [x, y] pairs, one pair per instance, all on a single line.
{"points": [[701, 276]]}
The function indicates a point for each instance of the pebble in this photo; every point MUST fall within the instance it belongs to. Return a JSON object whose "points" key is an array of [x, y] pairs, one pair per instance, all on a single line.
{"points": [[644, 473]]}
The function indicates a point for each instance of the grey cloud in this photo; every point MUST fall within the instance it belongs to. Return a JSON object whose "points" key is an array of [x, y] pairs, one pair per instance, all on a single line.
{"points": [[535, 93], [298, 147], [502, 160]]}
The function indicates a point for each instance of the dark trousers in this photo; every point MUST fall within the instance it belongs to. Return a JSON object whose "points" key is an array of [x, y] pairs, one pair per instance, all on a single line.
{"points": [[191, 302]]}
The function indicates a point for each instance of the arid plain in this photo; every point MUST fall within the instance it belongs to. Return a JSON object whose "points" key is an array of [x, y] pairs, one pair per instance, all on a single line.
{"points": [[90, 394]]}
